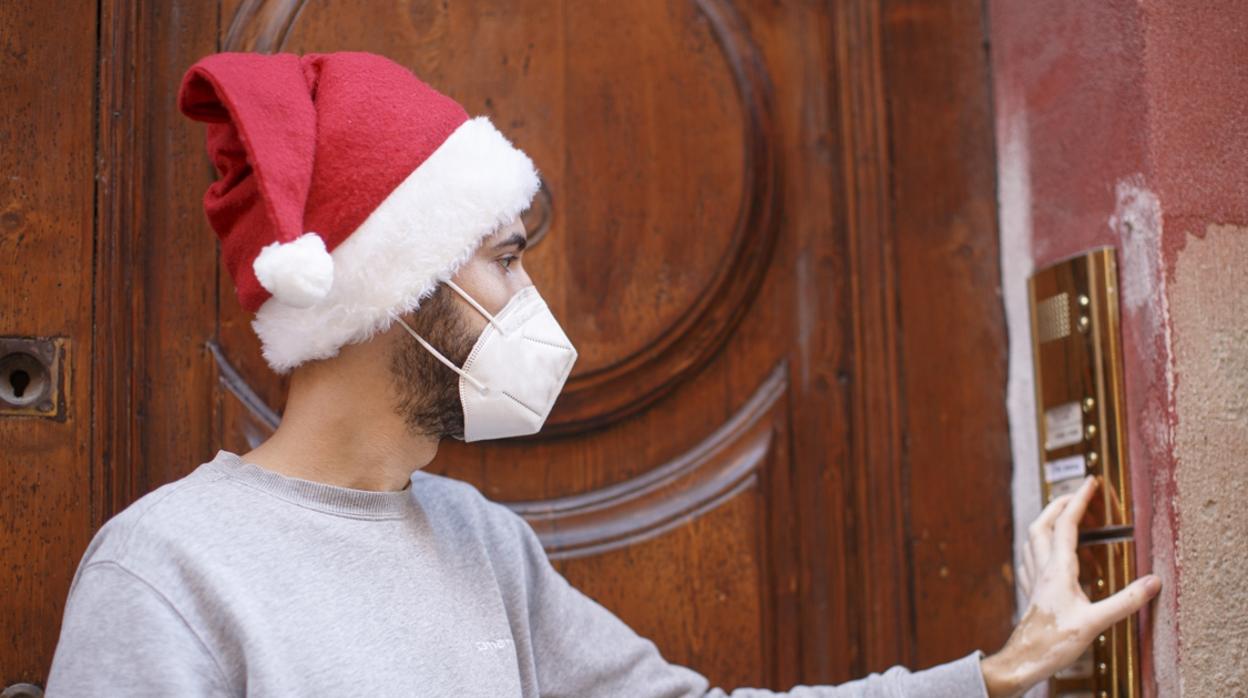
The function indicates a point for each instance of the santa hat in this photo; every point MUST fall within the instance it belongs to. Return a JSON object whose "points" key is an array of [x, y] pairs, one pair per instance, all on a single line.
{"points": [[348, 189]]}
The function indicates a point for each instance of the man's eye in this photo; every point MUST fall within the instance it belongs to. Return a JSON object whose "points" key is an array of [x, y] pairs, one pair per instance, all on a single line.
{"points": [[506, 261]]}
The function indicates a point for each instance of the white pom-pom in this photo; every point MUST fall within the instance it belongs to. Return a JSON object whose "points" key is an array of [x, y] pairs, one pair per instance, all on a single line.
{"points": [[297, 273]]}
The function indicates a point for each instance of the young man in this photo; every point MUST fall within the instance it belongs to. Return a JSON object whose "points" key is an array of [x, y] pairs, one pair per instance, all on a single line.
{"points": [[373, 229]]}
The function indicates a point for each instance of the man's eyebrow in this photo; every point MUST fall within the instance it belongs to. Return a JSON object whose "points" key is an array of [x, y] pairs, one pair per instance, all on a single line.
{"points": [[516, 239]]}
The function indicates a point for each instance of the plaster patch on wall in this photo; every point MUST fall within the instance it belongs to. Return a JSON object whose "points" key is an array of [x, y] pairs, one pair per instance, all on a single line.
{"points": [[1137, 222], [1142, 279], [1014, 192], [1209, 301]]}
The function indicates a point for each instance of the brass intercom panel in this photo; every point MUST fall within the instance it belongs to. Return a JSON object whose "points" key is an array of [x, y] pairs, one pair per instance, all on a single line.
{"points": [[1077, 355]]}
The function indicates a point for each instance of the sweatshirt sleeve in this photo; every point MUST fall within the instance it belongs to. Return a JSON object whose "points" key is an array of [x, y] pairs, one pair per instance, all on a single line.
{"points": [[121, 637], [579, 648]]}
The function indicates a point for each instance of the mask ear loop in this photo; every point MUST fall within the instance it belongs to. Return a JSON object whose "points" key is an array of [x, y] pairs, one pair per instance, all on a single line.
{"points": [[438, 355]]}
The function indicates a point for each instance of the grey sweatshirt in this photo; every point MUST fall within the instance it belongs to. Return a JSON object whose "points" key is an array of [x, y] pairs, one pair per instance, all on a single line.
{"points": [[236, 580]]}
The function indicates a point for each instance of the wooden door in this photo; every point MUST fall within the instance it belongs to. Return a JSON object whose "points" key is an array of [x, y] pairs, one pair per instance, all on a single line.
{"points": [[769, 227]]}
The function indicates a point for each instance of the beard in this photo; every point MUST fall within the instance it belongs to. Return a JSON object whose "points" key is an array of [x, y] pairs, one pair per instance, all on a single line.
{"points": [[428, 392]]}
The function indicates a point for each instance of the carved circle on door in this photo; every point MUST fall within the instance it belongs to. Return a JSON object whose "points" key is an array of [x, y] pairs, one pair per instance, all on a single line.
{"points": [[607, 388]]}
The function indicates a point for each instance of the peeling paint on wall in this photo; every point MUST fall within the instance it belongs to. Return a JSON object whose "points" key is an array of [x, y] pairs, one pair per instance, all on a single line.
{"points": [[1209, 301]]}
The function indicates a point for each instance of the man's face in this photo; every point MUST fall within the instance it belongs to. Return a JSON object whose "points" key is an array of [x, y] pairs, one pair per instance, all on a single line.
{"points": [[428, 392]]}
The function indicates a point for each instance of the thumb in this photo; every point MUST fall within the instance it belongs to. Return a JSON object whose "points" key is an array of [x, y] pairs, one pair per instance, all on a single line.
{"points": [[1125, 602]]}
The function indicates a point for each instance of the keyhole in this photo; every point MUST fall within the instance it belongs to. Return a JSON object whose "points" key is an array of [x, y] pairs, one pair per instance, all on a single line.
{"points": [[19, 379], [23, 380]]}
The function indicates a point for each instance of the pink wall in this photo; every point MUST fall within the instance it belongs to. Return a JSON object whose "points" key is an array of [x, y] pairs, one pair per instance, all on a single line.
{"points": [[1125, 123]]}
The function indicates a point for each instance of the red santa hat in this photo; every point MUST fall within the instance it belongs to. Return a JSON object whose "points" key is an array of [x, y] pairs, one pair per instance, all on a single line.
{"points": [[348, 189]]}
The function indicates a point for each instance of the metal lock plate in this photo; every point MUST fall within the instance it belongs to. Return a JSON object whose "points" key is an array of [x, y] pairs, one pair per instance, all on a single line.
{"points": [[32, 377], [22, 690]]}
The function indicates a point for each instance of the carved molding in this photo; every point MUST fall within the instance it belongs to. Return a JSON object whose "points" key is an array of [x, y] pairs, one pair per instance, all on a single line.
{"points": [[599, 398], [258, 421], [262, 25], [878, 567], [124, 128], [711, 473]]}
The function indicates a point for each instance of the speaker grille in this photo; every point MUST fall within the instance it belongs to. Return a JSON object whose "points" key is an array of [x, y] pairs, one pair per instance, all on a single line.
{"points": [[1054, 318]]}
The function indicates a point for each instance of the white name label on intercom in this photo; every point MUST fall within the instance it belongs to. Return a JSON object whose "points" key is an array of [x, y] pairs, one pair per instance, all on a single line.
{"points": [[1065, 469], [1063, 426]]}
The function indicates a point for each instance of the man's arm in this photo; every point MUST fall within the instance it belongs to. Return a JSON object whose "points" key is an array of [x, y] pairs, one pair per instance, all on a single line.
{"points": [[121, 637], [579, 648]]}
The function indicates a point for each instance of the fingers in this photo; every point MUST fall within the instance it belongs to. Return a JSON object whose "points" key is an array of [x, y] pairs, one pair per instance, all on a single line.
{"points": [[1113, 609], [1051, 512], [1040, 533], [1066, 528]]}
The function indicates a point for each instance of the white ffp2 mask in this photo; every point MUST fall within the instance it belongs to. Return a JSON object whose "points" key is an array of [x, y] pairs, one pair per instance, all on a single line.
{"points": [[515, 370]]}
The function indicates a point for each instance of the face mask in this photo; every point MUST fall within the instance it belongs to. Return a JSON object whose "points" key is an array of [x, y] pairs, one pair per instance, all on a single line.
{"points": [[515, 370]]}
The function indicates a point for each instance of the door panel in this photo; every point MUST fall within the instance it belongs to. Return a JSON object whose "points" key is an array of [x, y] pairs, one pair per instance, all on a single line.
{"points": [[46, 202], [758, 223]]}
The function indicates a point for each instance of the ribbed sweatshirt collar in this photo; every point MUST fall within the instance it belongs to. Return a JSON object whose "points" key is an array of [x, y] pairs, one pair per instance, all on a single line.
{"points": [[319, 496]]}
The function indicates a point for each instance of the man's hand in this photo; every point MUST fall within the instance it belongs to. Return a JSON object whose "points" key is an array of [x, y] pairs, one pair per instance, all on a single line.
{"points": [[1060, 621]]}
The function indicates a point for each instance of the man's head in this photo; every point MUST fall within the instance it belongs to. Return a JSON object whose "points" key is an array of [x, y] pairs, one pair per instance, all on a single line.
{"points": [[348, 188], [426, 392], [349, 191]]}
